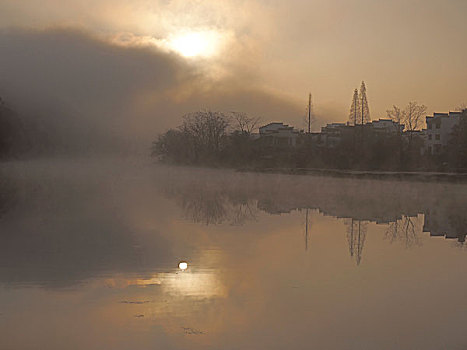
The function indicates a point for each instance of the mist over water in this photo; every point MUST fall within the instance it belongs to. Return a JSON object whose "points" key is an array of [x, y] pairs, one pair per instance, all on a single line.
{"points": [[103, 245], [90, 249]]}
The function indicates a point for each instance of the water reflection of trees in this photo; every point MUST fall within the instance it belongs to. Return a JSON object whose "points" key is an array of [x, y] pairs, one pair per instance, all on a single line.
{"points": [[236, 198], [211, 206], [404, 230], [356, 236], [217, 209]]}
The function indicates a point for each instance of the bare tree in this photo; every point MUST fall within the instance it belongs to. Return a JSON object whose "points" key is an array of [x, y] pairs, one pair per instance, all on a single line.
{"points": [[207, 129], [461, 107], [414, 114], [395, 114], [411, 116], [244, 123]]}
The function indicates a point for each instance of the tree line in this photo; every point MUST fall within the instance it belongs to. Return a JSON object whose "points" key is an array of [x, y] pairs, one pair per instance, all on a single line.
{"points": [[216, 138], [208, 138]]}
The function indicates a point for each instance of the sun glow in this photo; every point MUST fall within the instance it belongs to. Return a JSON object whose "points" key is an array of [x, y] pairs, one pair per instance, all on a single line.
{"points": [[196, 44]]}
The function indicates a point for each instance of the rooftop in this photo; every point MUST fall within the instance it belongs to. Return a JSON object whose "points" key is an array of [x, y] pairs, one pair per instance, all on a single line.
{"points": [[275, 123]]}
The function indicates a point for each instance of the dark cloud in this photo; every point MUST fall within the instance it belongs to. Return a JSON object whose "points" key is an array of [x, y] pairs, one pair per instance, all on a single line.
{"points": [[88, 92]]}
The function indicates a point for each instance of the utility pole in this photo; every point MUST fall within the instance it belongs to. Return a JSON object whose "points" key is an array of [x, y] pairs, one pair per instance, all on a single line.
{"points": [[309, 113], [355, 107]]}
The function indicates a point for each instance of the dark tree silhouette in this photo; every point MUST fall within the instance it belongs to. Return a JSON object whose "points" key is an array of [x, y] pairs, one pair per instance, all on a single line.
{"points": [[411, 116], [200, 139], [354, 109], [244, 123], [364, 109]]}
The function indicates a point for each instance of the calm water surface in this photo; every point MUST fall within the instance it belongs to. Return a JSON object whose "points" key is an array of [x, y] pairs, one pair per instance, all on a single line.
{"points": [[89, 253]]}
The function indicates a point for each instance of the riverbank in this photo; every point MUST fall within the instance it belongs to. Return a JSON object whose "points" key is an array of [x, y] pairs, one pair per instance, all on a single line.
{"points": [[363, 174]]}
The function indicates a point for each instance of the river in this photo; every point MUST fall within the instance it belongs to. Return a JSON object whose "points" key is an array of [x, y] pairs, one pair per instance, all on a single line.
{"points": [[90, 252]]}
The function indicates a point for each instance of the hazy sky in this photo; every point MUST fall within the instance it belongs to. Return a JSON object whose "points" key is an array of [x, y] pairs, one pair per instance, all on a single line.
{"points": [[155, 60]]}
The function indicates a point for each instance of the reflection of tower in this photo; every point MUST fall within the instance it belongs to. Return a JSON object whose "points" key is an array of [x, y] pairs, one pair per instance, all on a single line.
{"points": [[356, 235]]}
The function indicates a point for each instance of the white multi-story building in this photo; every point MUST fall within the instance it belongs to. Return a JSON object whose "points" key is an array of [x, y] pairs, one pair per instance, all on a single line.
{"points": [[279, 134], [438, 130]]}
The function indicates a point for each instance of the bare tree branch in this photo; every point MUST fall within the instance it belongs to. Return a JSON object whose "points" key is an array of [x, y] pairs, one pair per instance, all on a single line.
{"points": [[244, 123]]}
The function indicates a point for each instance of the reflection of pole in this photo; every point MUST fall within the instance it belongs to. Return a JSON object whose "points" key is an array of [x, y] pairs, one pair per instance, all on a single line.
{"points": [[351, 239], [306, 230], [309, 113], [359, 251]]}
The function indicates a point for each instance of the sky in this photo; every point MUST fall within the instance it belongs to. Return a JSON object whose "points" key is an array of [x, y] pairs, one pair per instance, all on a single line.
{"points": [[131, 69]]}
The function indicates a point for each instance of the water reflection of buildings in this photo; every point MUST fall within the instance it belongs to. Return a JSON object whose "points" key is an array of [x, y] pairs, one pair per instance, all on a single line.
{"points": [[442, 221], [397, 204]]}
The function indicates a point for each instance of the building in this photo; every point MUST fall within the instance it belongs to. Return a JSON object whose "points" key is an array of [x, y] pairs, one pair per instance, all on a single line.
{"points": [[279, 134], [331, 134], [438, 130], [386, 126]]}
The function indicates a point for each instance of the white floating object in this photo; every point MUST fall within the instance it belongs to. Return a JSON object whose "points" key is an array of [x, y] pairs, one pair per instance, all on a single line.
{"points": [[183, 265]]}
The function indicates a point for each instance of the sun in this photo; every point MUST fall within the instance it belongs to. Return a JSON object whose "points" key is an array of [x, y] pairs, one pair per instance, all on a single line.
{"points": [[196, 43], [183, 265]]}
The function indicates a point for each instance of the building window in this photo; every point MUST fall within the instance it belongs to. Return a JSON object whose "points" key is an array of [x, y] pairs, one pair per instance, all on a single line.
{"points": [[438, 125], [437, 148], [429, 137], [437, 136], [430, 126]]}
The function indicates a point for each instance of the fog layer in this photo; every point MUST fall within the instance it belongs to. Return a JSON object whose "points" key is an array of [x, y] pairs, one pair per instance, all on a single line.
{"points": [[85, 93]]}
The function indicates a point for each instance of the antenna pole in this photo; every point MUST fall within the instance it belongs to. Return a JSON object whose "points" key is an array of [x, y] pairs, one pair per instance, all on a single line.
{"points": [[306, 230], [309, 113]]}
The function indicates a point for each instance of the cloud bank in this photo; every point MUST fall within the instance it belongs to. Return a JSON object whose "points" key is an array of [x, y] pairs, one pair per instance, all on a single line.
{"points": [[89, 92]]}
